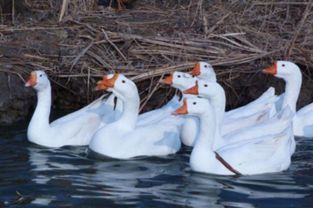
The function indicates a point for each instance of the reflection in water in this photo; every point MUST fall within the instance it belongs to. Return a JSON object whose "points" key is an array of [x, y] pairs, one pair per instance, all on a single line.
{"points": [[67, 177]]}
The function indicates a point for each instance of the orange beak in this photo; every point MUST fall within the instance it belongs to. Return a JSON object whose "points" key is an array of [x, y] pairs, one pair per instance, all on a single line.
{"points": [[193, 90], [101, 86], [32, 80], [271, 70], [196, 70], [168, 80], [182, 110], [106, 82]]}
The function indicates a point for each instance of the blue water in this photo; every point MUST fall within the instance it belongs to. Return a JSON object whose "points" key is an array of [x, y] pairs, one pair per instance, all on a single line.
{"points": [[32, 176]]}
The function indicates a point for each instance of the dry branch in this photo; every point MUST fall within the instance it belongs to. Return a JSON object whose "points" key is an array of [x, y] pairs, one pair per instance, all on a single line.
{"points": [[81, 42]]}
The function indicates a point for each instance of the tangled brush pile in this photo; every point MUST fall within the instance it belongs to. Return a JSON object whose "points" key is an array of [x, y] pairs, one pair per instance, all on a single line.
{"points": [[77, 41]]}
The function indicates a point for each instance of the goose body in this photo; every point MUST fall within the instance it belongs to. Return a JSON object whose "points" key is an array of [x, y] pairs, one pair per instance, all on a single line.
{"points": [[159, 114], [256, 155], [124, 138], [266, 102], [303, 122]]}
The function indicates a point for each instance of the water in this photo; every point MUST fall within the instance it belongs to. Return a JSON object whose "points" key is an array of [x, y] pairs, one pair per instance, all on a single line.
{"points": [[32, 176]]}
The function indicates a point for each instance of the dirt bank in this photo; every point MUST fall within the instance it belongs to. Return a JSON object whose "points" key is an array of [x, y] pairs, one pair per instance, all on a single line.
{"points": [[76, 45]]}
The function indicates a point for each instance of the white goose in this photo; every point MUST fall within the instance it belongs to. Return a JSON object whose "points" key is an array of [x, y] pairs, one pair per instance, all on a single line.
{"points": [[205, 71], [190, 127], [183, 81], [216, 94], [237, 129], [291, 74], [254, 156], [75, 129], [123, 138]]}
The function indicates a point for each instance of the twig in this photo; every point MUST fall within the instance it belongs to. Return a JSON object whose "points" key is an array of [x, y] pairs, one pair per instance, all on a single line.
{"points": [[82, 53], [112, 44], [280, 3], [300, 25], [156, 86], [217, 23], [13, 12], [63, 9]]}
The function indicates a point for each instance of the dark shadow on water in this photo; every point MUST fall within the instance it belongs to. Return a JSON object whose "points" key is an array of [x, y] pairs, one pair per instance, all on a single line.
{"points": [[32, 176]]}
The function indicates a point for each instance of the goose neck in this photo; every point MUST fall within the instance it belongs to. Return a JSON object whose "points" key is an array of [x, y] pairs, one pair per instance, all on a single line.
{"points": [[202, 153], [218, 103], [130, 112], [42, 111], [207, 132], [292, 90]]}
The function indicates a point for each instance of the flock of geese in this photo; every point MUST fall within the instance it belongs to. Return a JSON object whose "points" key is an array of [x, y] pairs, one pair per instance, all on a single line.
{"points": [[252, 139]]}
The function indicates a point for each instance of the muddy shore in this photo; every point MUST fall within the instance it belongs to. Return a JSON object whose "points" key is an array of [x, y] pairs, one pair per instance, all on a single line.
{"points": [[146, 40]]}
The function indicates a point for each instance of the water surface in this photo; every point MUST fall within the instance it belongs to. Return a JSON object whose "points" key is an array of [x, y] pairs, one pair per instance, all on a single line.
{"points": [[32, 176]]}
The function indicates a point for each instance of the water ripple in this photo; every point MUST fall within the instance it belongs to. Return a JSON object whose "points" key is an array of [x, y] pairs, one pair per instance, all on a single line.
{"points": [[40, 177]]}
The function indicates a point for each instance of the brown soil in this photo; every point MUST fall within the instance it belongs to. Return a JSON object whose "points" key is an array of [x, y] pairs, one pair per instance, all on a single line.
{"points": [[76, 45]]}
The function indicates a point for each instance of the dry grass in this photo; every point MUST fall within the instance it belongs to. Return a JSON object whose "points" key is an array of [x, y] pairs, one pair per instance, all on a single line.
{"points": [[77, 42]]}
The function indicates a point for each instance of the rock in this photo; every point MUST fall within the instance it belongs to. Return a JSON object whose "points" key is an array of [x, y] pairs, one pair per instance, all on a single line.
{"points": [[15, 100]]}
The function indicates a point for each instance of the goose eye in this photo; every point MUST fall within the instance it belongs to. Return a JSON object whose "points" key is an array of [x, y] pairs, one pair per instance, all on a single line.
{"points": [[205, 85], [194, 103], [123, 81], [283, 65], [193, 76], [178, 76], [40, 75], [206, 66]]}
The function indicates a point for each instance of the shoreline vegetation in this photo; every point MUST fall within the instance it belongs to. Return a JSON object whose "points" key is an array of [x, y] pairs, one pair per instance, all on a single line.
{"points": [[78, 41]]}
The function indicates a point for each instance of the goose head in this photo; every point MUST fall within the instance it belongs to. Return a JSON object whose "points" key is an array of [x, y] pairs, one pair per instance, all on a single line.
{"points": [[120, 85], [196, 106], [179, 80], [283, 69], [207, 89], [204, 70], [38, 80]]}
